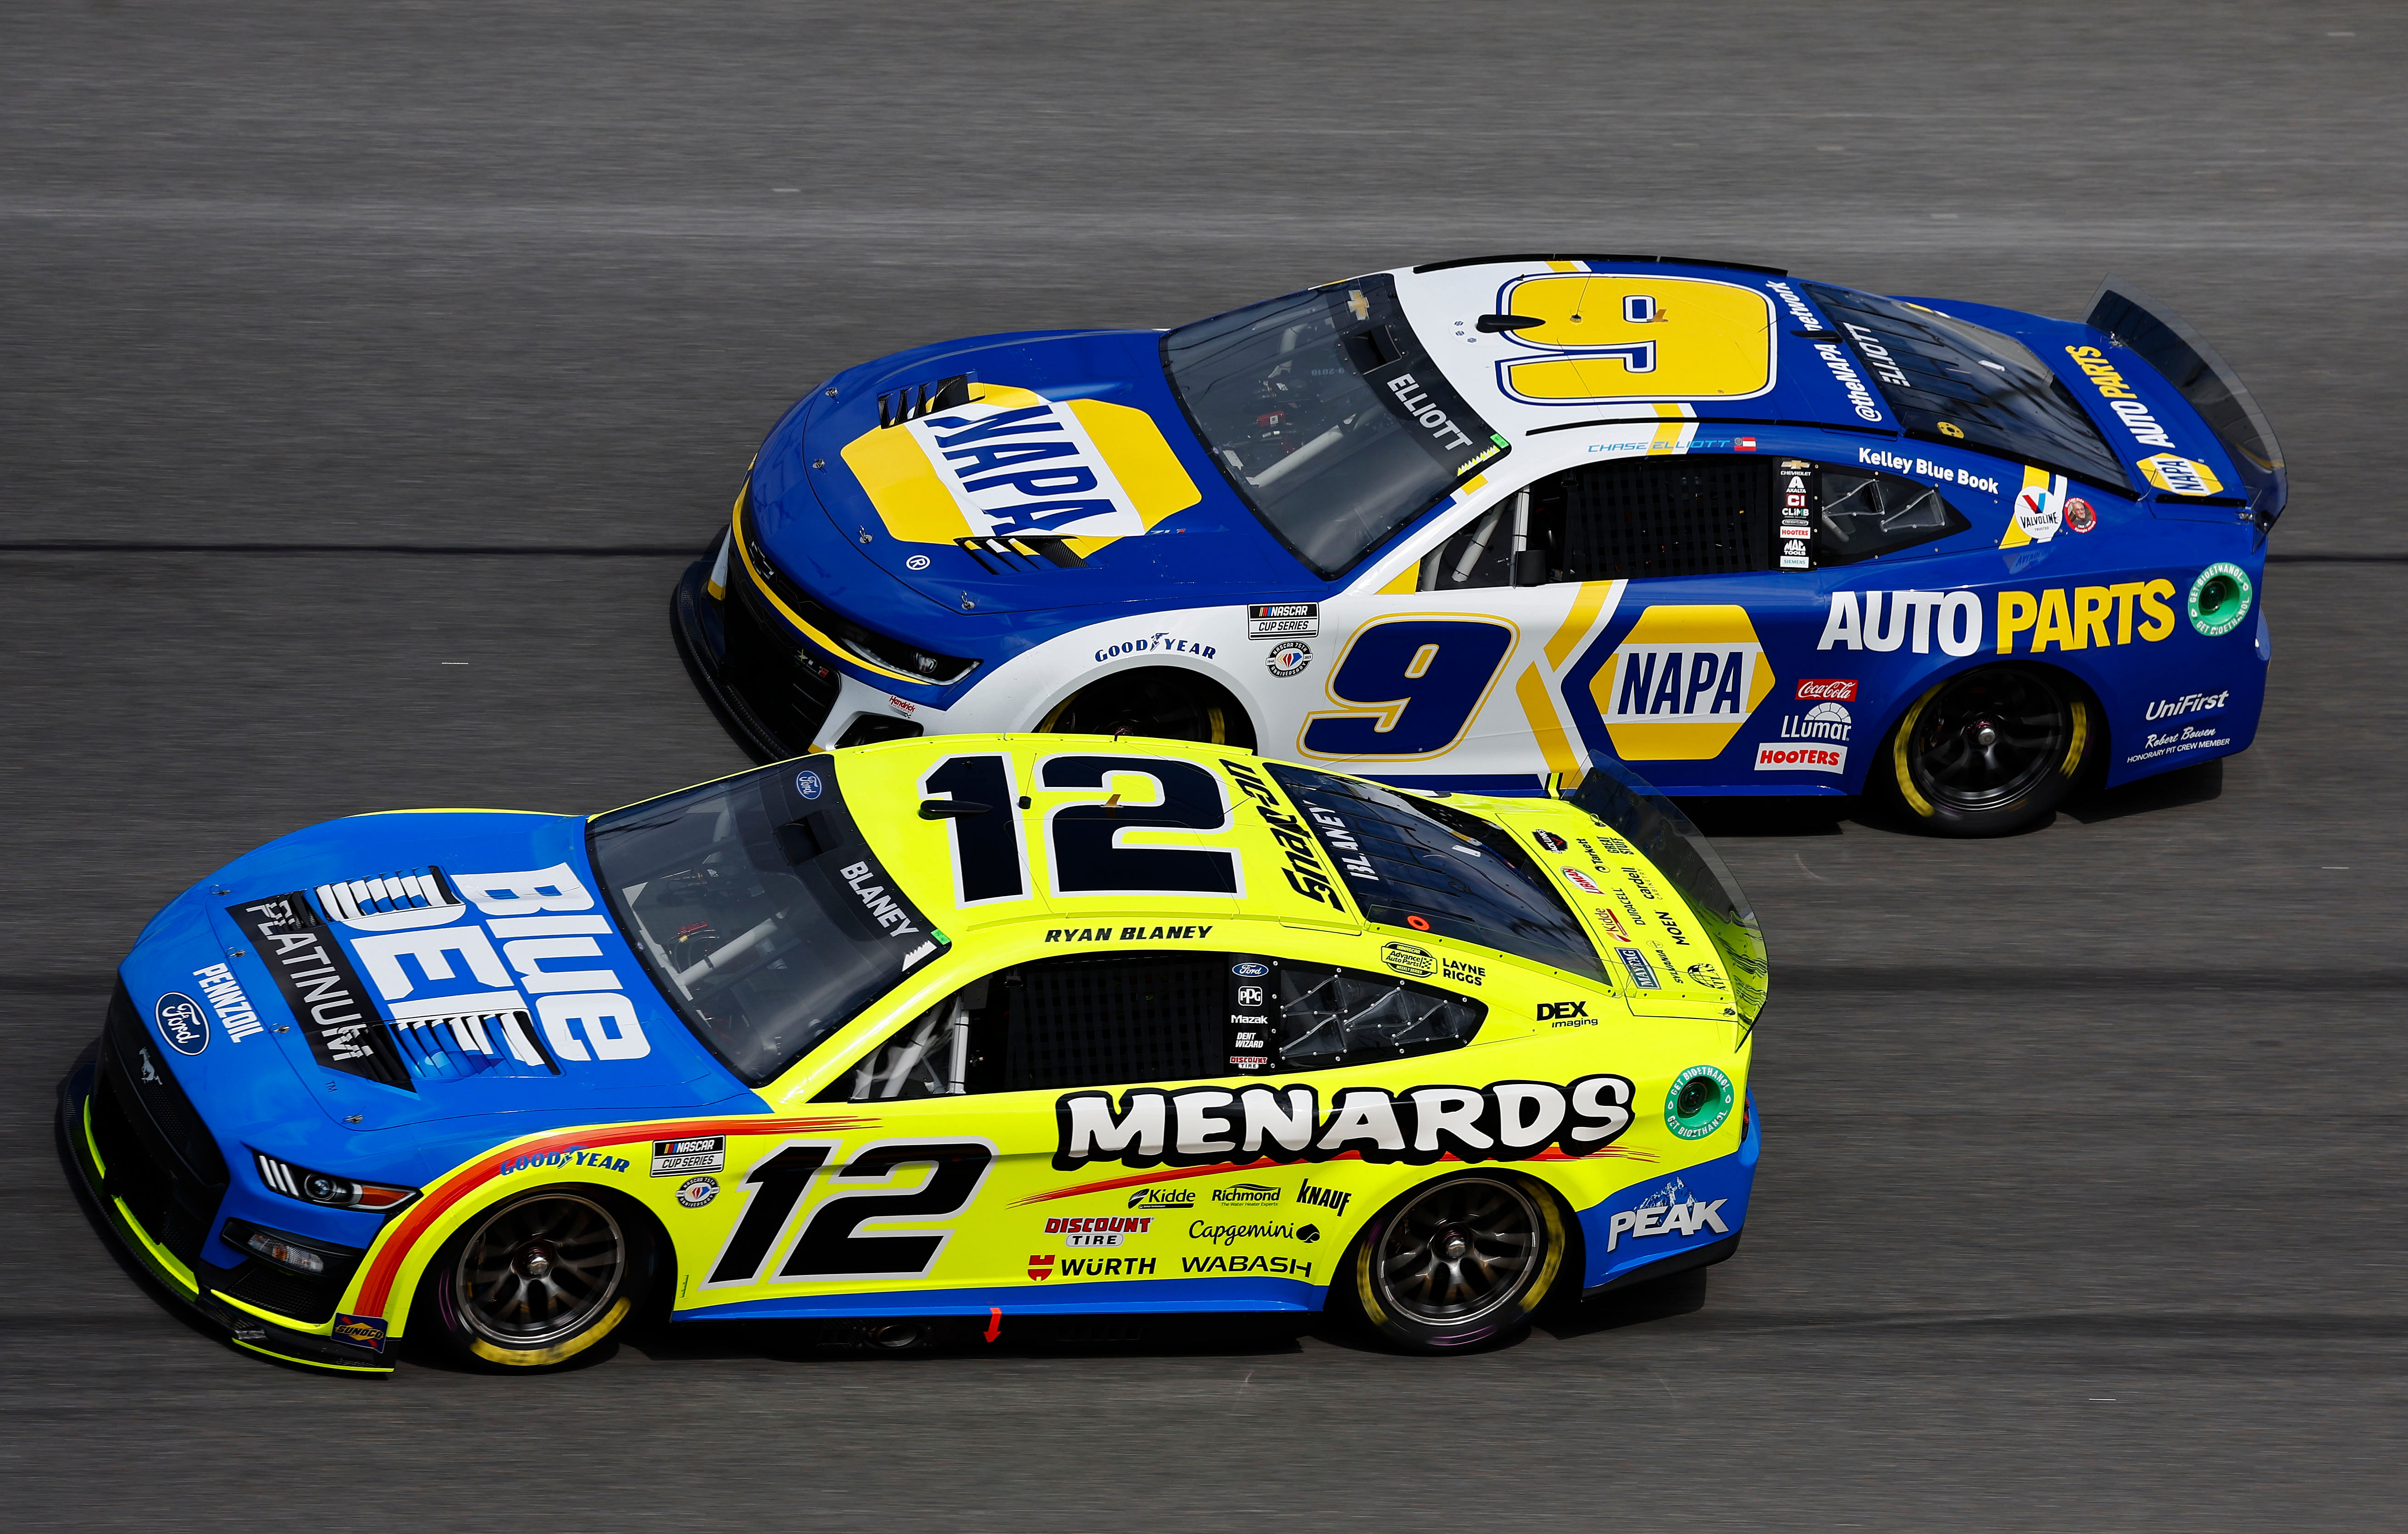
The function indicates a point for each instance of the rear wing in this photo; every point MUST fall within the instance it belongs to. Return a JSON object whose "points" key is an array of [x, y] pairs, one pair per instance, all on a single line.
{"points": [[2204, 378]]}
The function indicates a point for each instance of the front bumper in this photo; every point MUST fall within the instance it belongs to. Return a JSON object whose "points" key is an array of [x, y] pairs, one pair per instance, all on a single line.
{"points": [[203, 1288], [762, 688]]}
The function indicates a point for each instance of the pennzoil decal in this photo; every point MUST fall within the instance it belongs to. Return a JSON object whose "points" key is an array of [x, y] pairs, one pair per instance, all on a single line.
{"points": [[1205, 1125]]}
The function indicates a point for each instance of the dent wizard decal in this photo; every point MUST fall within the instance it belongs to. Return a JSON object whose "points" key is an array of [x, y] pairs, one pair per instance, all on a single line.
{"points": [[1504, 1121]]}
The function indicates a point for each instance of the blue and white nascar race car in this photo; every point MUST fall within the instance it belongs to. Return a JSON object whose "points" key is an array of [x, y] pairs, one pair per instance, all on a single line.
{"points": [[1467, 526]]}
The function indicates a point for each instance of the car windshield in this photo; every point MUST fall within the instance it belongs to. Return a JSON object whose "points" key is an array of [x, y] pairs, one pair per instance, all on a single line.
{"points": [[1952, 381], [1329, 417], [760, 910], [1413, 863], [1618, 797]]}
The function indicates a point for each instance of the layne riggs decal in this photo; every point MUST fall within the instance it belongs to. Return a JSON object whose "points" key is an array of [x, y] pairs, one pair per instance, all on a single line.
{"points": [[1195, 1127]]}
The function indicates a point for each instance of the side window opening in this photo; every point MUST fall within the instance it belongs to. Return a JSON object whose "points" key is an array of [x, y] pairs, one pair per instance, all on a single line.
{"points": [[1706, 514], [1119, 1020]]}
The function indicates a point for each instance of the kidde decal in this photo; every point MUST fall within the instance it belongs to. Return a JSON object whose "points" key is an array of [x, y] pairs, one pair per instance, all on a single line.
{"points": [[1681, 683], [2085, 617], [1884, 619], [1012, 462], [1196, 1127]]}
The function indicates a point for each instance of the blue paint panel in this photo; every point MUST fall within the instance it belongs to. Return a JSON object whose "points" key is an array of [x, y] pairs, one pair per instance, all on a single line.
{"points": [[1715, 1190], [1131, 1297]]}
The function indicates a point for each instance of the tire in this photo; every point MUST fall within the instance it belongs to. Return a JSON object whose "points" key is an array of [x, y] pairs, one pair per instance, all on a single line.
{"points": [[1458, 1262], [1164, 705], [536, 1281], [1989, 752]]}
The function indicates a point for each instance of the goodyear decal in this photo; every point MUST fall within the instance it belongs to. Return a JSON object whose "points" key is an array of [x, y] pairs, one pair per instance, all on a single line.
{"points": [[1013, 463], [1683, 681]]}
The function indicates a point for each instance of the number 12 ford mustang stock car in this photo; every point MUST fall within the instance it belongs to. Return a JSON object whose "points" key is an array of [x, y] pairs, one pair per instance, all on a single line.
{"points": [[961, 1033], [1470, 524]]}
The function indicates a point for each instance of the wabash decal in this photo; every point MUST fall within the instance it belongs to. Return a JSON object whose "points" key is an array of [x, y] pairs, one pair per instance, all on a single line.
{"points": [[1504, 1121]]}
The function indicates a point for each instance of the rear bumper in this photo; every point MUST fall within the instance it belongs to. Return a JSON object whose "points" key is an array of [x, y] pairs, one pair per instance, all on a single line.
{"points": [[1712, 1198], [192, 1284]]}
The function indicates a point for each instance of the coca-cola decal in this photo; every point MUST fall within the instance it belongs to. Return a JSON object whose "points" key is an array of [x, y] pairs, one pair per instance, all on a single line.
{"points": [[1827, 689]]}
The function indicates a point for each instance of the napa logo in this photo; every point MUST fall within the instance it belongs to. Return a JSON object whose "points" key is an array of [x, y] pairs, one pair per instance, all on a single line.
{"points": [[1683, 682], [1011, 463], [2180, 476]]}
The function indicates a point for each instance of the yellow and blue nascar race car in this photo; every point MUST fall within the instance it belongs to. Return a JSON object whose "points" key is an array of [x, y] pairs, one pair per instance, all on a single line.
{"points": [[1471, 525], [973, 1033]]}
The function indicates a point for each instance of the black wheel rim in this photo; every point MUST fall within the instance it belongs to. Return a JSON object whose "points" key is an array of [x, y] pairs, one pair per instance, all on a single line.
{"points": [[1987, 739], [1460, 1252], [1142, 706], [539, 1270]]}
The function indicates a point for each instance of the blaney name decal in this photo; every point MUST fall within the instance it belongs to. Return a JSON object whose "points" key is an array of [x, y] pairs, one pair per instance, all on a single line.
{"points": [[1202, 1126]]}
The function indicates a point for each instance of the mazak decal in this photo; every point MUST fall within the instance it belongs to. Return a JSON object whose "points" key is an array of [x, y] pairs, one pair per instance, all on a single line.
{"points": [[1670, 1210], [1884, 621], [1013, 463], [1204, 1125], [1683, 681], [2086, 616], [225, 996]]}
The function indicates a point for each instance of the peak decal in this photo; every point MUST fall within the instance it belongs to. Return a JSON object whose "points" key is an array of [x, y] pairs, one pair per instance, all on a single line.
{"points": [[1014, 464]]}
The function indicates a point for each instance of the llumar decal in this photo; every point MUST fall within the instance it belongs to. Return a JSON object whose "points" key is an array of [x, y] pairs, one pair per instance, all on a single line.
{"points": [[1504, 1121], [392, 1248], [325, 993]]}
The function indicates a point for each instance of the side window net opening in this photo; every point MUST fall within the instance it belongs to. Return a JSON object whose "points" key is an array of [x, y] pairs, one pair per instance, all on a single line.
{"points": [[1656, 518], [1116, 1020], [1330, 1017]]}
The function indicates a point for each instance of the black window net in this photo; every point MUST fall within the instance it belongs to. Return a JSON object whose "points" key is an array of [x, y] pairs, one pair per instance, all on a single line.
{"points": [[1332, 1017], [1092, 1021]]}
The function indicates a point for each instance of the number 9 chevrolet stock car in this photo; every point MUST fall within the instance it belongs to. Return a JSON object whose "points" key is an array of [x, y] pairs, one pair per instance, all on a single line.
{"points": [[1475, 524], [967, 1033]]}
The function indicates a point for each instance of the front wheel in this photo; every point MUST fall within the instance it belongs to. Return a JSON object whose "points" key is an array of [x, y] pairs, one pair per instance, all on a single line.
{"points": [[536, 1282], [1989, 752], [1458, 1262]]}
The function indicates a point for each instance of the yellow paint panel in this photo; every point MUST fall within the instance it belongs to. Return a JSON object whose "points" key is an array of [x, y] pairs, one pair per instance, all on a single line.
{"points": [[1654, 338], [2015, 537], [1585, 608], [1546, 724], [903, 486], [1407, 581], [1141, 459]]}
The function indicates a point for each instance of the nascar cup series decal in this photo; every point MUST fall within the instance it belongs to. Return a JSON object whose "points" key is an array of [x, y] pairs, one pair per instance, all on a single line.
{"points": [[1681, 683], [1013, 463]]}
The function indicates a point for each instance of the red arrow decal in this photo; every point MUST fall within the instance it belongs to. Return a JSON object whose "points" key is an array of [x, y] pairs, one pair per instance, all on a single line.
{"points": [[993, 1322]]}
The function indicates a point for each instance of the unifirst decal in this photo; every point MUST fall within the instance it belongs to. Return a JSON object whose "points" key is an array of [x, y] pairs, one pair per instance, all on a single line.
{"points": [[1013, 463], [1683, 682], [2086, 616]]}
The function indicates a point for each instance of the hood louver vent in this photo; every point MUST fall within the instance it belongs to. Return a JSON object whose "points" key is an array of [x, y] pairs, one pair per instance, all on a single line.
{"points": [[422, 897], [448, 1039], [914, 401], [1019, 554]]}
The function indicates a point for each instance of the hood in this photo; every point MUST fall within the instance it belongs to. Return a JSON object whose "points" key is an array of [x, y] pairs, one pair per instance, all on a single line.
{"points": [[397, 969], [1064, 452]]}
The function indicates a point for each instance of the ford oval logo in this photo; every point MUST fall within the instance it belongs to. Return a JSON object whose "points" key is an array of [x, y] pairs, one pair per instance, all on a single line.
{"points": [[807, 784], [1251, 971], [182, 1023]]}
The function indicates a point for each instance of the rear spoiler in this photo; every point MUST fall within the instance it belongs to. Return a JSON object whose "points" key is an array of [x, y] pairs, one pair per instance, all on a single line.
{"points": [[2208, 381]]}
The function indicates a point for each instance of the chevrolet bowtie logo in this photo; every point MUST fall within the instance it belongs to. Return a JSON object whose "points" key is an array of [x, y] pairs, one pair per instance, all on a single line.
{"points": [[1360, 305]]}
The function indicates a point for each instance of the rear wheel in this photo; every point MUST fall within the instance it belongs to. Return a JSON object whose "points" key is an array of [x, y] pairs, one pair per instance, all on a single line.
{"points": [[1458, 1262], [1165, 705], [1989, 751], [535, 1283]]}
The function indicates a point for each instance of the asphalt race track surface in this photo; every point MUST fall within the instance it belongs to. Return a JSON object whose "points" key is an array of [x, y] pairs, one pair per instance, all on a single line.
{"points": [[367, 372]]}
